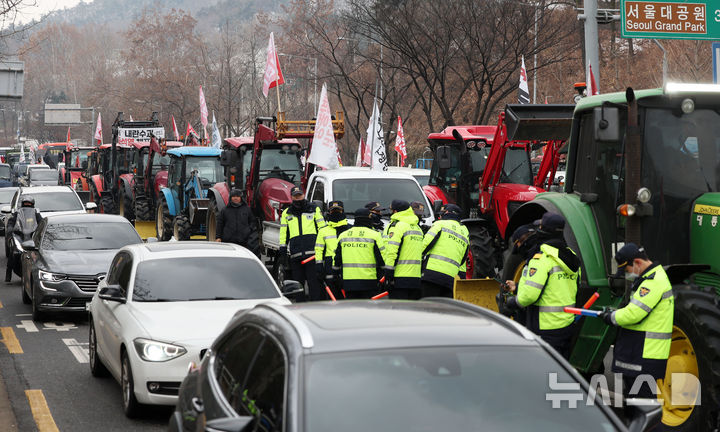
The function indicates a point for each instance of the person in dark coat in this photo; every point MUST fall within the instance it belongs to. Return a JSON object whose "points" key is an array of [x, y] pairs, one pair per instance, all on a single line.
{"points": [[237, 224]]}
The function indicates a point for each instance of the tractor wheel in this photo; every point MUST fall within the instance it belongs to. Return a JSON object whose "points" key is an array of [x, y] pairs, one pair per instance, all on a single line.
{"points": [[163, 221], [182, 228], [125, 207], [211, 220], [107, 205], [695, 350], [483, 253], [142, 210], [512, 268]]}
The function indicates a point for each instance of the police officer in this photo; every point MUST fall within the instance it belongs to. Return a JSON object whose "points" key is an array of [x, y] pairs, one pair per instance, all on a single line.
{"points": [[299, 225], [419, 210], [26, 202], [446, 245], [326, 242], [548, 284], [375, 214], [358, 258], [524, 241], [403, 241], [643, 341]]}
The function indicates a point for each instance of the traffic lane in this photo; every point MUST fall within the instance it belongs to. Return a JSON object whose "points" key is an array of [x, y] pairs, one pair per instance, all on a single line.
{"points": [[54, 360]]}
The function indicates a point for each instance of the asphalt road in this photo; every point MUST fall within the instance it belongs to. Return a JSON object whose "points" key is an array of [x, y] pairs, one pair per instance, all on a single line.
{"points": [[54, 363]]}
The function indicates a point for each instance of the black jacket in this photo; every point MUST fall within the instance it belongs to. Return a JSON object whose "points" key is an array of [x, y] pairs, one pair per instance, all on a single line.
{"points": [[237, 224]]}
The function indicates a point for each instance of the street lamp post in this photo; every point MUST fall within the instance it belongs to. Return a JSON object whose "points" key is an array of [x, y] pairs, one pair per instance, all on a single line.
{"points": [[315, 73], [343, 38]]}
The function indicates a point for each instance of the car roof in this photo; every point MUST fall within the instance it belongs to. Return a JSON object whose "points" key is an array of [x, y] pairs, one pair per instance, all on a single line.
{"points": [[408, 170], [34, 190], [369, 325], [188, 249], [86, 218], [194, 151], [361, 172]]}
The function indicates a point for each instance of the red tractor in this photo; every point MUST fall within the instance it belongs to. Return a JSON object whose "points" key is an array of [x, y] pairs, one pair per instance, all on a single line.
{"points": [[100, 172], [486, 170], [150, 175], [73, 172]]}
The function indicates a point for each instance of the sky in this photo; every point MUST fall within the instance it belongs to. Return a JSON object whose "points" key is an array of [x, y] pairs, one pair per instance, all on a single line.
{"points": [[42, 7]]}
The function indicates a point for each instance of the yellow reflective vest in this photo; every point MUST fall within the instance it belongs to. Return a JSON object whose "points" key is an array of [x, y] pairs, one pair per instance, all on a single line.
{"points": [[403, 240], [448, 241], [298, 233], [359, 257]]}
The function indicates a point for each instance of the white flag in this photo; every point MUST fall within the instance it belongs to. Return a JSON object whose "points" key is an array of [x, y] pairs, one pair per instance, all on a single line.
{"points": [[216, 138], [175, 129], [358, 158], [376, 140], [523, 92], [271, 67], [324, 151], [98, 130], [22, 152], [203, 109]]}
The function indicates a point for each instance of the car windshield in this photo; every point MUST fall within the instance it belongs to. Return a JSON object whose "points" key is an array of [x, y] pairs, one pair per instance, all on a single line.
{"points": [[55, 201], [89, 236], [208, 168], [6, 195], [280, 163], [202, 278], [355, 194], [43, 174], [448, 388], [5, 171]]}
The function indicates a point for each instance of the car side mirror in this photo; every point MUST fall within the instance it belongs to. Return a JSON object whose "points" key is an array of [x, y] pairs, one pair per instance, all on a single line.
{"points": [[6, 209], [230, 424], [28, 245], [644, 414], [90, 206], [442, 156], [112, 293], [292, 289]]}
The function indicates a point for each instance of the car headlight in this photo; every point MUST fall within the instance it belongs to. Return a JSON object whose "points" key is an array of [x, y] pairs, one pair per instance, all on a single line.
{"points": [[50, 277], [154, 351]]}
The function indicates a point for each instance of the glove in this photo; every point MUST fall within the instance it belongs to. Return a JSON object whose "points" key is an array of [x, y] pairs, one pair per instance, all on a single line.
{"points": [[282, 251], [320, 271], [606, 316], [389, 277]]}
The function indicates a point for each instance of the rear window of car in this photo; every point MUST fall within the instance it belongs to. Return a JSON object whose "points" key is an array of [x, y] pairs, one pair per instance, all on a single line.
{"points": [[55, 201], [202, 278], [487, 388]]}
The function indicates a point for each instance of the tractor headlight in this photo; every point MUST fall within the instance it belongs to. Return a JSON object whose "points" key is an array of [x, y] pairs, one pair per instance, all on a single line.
{"points": [[644, 195], [50, 277], [687, 106], [154, 351]]}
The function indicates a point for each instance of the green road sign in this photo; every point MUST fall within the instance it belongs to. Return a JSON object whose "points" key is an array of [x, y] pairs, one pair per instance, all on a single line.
{"points": [[671, 19]]}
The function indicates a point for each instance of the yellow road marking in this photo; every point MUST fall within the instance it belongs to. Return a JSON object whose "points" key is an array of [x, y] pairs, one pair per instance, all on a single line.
{"points": [[41, 411], [10, 340]]}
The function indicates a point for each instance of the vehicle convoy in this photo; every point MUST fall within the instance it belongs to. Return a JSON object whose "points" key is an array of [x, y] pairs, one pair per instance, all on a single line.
{"points": [[160, 308], [114, 181], [325, 366], [643, 167], [182, 206], [486, 170], [62, 270], [151, 163]]}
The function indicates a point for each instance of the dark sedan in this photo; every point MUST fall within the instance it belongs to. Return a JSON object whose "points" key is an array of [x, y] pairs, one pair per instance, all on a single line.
{"points": [[67, 258], [430, 365]]}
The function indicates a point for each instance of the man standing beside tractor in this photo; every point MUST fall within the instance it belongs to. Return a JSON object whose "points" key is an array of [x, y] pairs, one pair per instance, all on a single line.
{"points": [[643, 343], [549, 284], [237, 224], [446, 247], [299, 226]]}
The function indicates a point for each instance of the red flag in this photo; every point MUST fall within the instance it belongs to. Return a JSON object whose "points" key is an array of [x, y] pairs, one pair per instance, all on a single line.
{"points": [[175, 129], [593, 90], [155, 145], [68, 134], [191, 135], [203, 109], [400, 143], [273, 73]]}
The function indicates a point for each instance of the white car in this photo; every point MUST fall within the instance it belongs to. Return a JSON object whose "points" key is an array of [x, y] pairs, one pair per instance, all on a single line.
{"points": [[50, 200], [160, 308]]}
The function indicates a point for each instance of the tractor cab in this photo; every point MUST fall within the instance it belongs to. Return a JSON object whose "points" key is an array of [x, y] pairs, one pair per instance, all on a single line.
{"points": [[52, 153]]}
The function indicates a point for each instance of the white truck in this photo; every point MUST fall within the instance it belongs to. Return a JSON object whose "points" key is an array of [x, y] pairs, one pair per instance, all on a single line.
{"points": [[355, 187]]}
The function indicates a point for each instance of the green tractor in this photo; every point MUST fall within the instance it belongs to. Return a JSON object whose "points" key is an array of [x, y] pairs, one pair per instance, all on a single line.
{"points": [[644, 167]]}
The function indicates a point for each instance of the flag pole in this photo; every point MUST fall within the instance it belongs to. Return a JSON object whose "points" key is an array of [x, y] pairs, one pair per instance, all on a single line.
{"points": [[372, 135], [277, 91]]}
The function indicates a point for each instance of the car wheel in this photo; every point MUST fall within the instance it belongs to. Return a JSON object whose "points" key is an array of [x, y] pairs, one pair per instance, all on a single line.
{"points": [[25, 297], [37, 315], [130, 403], [97, 368]]}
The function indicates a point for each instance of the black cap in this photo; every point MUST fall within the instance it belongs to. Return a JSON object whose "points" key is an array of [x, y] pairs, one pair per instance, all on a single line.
{"points": [[452, 208], [296, 191], [399, 205], [374, 206], [236, 193], [625, 256], [362, 213], [518, 234], [552, 223], [336, 205]]}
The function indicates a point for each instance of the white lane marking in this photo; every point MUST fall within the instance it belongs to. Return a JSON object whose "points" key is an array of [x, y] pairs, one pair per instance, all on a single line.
{"points": [[79, 350], [23, 314], [59, 326], [28, 325]]}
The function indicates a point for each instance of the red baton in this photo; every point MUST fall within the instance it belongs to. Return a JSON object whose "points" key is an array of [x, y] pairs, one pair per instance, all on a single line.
{"points": [[329, 291], [307, 260], [379, 296], [591, 300]]}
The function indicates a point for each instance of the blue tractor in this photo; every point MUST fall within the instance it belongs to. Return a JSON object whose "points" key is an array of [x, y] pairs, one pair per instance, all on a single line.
{"points": [[182, 205]]}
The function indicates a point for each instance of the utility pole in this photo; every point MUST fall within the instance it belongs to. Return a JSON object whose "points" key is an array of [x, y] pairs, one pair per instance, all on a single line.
{"points": [[592, 57]]}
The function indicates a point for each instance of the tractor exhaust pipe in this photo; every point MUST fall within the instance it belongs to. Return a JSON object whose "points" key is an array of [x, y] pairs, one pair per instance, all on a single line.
{"points": [[633, 166]]}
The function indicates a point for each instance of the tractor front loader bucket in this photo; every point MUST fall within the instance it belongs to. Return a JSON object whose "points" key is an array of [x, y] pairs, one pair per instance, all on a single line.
{"points": [[538, 122], [145, 228], [480, 292]]}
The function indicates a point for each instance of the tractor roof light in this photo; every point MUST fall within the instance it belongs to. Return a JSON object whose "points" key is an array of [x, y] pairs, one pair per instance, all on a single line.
{"points": [[627, 210], [687, 106], [470, 144], [644, 195]]}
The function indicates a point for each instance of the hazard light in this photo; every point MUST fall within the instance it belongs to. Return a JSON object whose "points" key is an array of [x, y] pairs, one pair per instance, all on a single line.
{"points": [[675, 88], [627, 210]]}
